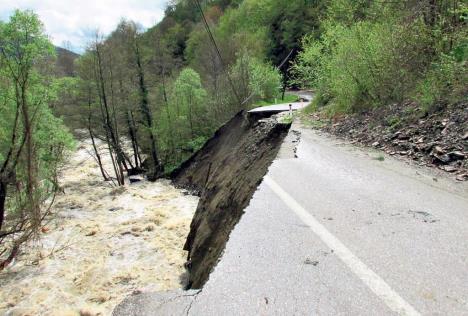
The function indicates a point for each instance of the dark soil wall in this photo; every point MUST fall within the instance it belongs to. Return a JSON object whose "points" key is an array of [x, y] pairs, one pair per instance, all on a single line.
{"points": [[225, 173]]}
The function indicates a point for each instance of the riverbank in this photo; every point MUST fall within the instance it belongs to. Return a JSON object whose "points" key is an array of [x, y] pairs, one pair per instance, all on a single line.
{"points": [[102, 244]]}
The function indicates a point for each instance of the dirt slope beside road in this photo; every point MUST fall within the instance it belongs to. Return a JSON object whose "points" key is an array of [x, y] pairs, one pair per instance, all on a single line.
{"points": [[439, 139], [226, 172]]}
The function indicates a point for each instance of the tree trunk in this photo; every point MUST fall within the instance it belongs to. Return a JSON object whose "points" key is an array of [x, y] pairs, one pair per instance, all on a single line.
{"points": [[135, 129], [91, 135], [144, 104], [192, 134], [131, 132], [171, 132], [110, 134], [31, 164], [131, 128], [3, 193], [98, 156], [122, 158]]}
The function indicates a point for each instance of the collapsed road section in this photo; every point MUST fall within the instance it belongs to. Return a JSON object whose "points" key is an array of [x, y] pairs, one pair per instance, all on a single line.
{"points": [[225, 173]]}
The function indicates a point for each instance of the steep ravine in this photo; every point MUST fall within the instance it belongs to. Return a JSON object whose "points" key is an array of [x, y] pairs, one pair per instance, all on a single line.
{"points": [[225, 173]]}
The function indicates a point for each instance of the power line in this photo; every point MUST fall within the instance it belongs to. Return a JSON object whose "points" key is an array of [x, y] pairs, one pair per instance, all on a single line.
{"points": [[213, 41], [208, 30], [279, 67], [286, 58]]}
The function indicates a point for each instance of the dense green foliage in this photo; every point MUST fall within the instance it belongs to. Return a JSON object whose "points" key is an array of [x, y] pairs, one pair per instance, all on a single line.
{"points": [[375, 53], [190, 86], [187, 115], [32, 140], [168, 88], [356, 55]]}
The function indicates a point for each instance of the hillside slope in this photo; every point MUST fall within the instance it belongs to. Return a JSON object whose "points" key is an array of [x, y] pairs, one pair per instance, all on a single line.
{"points": [[437, 140]]}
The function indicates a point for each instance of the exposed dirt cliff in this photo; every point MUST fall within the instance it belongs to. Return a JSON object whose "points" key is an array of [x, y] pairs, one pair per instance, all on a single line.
{"points": [[225, 173]]}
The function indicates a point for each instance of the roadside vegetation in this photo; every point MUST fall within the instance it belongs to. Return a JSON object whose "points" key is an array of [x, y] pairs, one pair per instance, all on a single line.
{"points": [[392, 75], [167, 89], [376, 53]]}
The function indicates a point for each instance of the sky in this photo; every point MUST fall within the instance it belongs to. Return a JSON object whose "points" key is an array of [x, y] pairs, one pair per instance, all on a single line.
{"points": [[75, 21]]}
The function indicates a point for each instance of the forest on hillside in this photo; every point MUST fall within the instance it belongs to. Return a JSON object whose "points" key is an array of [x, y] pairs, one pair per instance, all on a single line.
{"points": [[174, 84], [166, 90]]}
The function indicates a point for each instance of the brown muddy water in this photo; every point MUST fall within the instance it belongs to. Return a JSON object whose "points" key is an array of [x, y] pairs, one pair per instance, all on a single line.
{"points": [[102, 244]]}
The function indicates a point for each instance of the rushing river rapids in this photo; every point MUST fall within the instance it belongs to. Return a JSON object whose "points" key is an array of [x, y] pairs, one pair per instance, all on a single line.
{"points": [[102, 244]]}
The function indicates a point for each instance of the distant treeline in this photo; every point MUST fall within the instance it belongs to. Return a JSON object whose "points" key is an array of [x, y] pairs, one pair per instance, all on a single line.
{"points": [[168, 88]]}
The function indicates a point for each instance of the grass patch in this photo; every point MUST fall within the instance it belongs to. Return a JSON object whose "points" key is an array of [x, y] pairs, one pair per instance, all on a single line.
{"points": [[312, 123], [379, 158], [311, 108], [394, 122], [287, 119]]}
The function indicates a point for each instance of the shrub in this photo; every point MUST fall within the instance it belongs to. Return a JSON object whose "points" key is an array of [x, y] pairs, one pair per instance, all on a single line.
{"points": [[445, 82], [374, 53], [362, 66], [265, 80], [256, 80]]}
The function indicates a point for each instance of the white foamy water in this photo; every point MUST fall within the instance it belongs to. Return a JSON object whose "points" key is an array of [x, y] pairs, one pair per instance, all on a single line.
{"points": [[103, 244]]}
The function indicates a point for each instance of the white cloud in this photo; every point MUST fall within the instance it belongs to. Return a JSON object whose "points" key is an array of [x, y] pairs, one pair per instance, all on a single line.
{"points": [[75, 20]]}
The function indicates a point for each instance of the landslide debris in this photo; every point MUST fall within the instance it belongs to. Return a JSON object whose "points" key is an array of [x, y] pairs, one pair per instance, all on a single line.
{"points": [[439, 139], [225, 173]]}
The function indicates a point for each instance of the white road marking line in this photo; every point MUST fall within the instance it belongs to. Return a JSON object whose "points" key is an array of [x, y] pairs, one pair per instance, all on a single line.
{"points": [[369, 277]]}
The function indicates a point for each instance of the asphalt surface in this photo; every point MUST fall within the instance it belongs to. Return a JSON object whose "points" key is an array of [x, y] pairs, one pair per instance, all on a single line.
{"points": [[276, 108], [338, 231]]}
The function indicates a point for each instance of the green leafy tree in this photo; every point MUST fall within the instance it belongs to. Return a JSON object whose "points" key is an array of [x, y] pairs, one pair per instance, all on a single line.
{"points": [[190, 98], [256, 80], [32, 139]]}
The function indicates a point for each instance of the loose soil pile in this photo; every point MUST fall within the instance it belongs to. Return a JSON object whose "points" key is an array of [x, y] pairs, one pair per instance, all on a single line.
{"points": [[438, 140], [102, 244], [225, 172]]}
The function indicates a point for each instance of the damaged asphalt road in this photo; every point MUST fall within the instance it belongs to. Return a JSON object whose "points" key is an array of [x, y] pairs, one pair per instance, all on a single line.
{"points": [[337, 232], [226, 172]]}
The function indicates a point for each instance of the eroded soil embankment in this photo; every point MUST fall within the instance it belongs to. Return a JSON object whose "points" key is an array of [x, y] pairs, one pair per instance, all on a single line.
{"points": [[438, 139], [226, 173]]}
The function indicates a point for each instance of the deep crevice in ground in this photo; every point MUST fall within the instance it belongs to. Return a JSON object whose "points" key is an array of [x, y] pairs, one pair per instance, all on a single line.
{"points": [[225, 173]]}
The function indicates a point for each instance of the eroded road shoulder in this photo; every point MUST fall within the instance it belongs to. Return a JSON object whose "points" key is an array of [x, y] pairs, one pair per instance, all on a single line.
{"points": [[393, 219]]}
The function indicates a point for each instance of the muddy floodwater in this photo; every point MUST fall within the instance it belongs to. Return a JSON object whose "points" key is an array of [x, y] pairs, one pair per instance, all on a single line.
{"points": [[102, 244]]}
